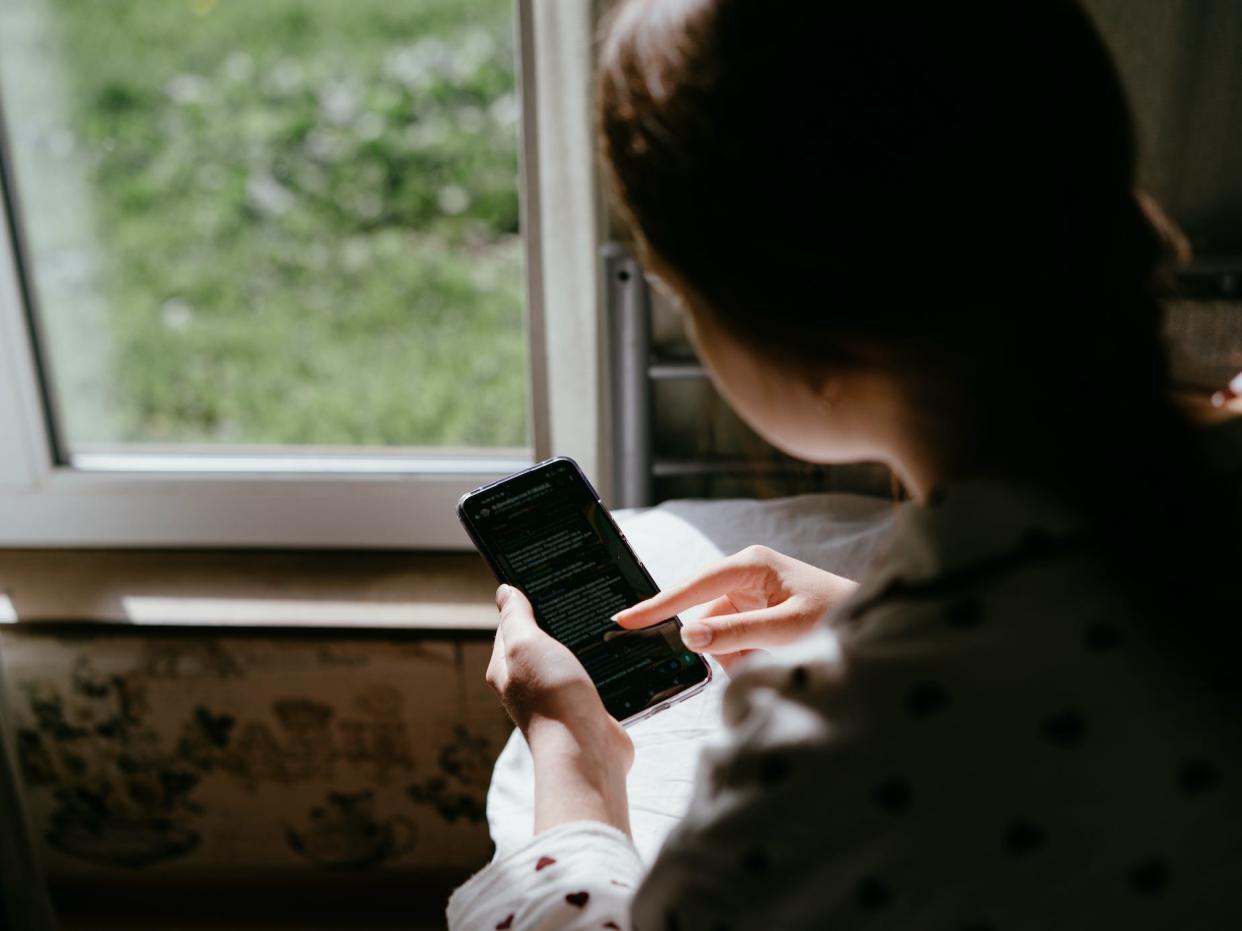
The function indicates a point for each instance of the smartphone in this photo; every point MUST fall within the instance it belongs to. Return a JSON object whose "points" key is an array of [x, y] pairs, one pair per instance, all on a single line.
{"points": [[545, 531]]}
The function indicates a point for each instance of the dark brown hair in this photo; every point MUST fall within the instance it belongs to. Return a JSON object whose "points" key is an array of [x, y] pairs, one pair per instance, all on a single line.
{"points": [[946, 191]]}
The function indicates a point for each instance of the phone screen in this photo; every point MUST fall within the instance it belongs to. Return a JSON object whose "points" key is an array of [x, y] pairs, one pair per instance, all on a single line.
{"points": [[545, 531]]}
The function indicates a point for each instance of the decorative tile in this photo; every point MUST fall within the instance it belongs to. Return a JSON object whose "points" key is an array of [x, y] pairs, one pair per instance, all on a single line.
{"points": [[185, 753]]}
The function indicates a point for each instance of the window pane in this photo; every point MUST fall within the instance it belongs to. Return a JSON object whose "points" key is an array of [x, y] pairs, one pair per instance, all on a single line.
{"points": [[272, 221]]}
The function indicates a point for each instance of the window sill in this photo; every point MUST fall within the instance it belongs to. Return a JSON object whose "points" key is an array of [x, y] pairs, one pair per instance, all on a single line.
{"points": [[268, 589]]}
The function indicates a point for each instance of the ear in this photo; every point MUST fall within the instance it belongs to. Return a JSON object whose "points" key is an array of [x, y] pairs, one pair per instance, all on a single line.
{"points": [[827, 388]]}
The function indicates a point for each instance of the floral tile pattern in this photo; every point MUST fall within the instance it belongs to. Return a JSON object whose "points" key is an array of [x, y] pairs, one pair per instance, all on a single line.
{"points": [[185, 753]]}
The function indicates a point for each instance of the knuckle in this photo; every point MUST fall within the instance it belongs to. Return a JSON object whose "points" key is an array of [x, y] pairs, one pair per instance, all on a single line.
{"points": [[758, 553]]}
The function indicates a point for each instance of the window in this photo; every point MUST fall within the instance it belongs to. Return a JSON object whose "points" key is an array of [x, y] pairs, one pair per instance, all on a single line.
{"points": [[263, 280]]}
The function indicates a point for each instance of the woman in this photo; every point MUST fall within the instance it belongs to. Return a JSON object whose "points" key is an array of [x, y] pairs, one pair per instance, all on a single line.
{"points": [[909, 232]]}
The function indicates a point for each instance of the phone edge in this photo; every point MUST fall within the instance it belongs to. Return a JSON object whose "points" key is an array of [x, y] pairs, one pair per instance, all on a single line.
{"points": [[502, 579]]}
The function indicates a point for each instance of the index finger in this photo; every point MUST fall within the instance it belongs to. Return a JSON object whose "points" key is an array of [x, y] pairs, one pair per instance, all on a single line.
{"points": [[720, 579]]}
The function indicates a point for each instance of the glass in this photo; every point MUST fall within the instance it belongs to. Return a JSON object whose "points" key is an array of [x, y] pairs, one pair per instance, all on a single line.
{"points": [[272, 222]]}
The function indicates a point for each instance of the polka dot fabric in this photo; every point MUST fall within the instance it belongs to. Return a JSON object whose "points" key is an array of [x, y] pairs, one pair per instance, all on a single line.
{"points": [[982, 738]]}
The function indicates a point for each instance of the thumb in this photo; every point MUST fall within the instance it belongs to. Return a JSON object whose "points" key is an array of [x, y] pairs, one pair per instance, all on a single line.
{"points": [[517, 618]]}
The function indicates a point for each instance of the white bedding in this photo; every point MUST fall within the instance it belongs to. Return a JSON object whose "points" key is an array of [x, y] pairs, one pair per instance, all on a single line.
{"points": [[841, 533]]}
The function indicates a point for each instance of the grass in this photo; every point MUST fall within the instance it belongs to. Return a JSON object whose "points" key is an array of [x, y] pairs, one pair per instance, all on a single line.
{"points": [[306, 222]]}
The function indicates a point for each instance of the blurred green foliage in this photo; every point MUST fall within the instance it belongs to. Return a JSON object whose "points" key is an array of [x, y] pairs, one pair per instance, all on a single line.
{"points": [[309, 218]]}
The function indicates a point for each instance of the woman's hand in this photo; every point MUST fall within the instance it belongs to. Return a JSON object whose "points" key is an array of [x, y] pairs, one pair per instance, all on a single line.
{"points": [[581, 752], [755, 598]]}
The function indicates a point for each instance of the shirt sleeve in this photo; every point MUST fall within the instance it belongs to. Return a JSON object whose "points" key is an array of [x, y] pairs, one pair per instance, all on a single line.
{"points": [[574, 876]]}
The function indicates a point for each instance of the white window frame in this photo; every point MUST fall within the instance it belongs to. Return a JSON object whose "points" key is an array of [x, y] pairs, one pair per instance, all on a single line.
{"points": [[268, 499]]}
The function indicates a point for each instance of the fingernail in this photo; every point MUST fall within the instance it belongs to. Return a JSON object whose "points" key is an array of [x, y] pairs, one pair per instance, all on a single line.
{"points": [[696, 636], [502, 595], [616, 618]]}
